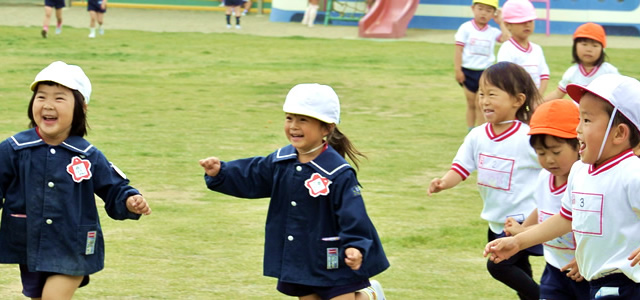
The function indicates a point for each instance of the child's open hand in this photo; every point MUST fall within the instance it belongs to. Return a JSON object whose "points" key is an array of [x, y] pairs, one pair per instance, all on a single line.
{"points": [[574, 272], [634, 257], [437, 185], [512, 227], [353, 258], [211, 166], [138, 205]]}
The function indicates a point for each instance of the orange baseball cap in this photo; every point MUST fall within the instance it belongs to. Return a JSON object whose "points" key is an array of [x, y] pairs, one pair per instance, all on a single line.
{"points": [[558, 118], [591, 31]]}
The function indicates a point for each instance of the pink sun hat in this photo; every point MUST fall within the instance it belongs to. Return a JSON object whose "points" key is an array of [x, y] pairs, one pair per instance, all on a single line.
{"points": [[518, 11]]}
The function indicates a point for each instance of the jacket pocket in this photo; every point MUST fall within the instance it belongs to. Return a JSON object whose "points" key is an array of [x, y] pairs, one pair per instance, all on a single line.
{"points": [[328, 254], [17, 227], [90, 239]]}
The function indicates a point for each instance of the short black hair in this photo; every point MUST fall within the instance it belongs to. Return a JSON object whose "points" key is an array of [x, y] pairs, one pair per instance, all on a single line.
{"points": [[574, 52], [540, 139], [79, 125]]}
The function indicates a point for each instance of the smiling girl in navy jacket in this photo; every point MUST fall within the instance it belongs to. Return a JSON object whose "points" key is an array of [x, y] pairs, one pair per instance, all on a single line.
{"points": [[319, 241]]}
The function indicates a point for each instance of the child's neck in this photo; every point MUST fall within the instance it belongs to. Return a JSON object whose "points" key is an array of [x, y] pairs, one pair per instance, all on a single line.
{"points": [[523, 42], [560, 180], [305, 157], [500, 127], [587, 67]]}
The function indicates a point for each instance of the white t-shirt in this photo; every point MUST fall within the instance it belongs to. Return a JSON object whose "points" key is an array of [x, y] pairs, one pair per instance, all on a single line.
{"points": [[479, 43], [530, 58], [505, 164], [578, 75], [559, 251], [603, 205]]}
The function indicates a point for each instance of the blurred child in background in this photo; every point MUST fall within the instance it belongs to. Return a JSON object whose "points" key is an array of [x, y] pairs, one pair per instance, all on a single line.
{"points": [[553, 136], [475, 43], [500, 151], [49, 5], [519, 17], [319, 241], [309, 17], [97, 9], [233, 6], [589, 41]]}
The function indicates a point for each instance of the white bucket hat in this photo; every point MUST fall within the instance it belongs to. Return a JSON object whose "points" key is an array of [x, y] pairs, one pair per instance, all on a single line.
{"points": [[313, 100], [622, 92], [70, 76]]}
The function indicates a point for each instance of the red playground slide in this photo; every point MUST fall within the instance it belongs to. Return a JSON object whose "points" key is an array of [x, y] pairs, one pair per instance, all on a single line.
{"points": [[388, 19]]}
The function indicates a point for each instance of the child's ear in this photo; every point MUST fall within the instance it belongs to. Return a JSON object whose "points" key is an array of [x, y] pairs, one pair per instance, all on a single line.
{"points": [[621, 134], [520, 99]]}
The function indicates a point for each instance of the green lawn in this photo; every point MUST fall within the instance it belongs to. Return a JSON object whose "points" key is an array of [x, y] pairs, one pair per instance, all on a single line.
{"points": [[161, 101]]}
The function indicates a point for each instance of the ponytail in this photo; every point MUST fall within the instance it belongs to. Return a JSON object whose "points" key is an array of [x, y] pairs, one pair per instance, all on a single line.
{"points": [[343, 146]]}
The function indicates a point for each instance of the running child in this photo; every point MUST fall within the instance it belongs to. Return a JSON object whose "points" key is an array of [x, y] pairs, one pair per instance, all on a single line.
{"points": [[500, 151], [48, 177], [233, 6], [475, 43], [601, 203], [49, 5], [319, 241], [519, 17], [553, 136], [309, 17], [97, 9], [589, 41]]}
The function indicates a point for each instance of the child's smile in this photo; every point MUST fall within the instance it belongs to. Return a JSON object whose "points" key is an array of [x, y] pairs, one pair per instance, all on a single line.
{"points": [[52, 110]]}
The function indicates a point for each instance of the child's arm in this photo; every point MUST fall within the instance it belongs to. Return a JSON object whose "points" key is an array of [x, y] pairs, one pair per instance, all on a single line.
{"points": [[556, 94], [506, 35], [634, 257], [211, 166], [512, 227], [543, 86], [503, 248], [449, 180], [457, 64], [353, 258], [138, 205]]}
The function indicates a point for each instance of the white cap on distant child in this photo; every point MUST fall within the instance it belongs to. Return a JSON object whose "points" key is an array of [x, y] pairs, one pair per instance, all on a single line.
{"points": [[313, 100], [70, 76]]}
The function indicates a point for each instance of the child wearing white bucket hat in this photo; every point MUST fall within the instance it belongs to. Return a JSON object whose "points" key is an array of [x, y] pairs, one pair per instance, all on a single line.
{"points": [[519, 17], [319, 240], [49, 175], [600, 204], [475, 43]]}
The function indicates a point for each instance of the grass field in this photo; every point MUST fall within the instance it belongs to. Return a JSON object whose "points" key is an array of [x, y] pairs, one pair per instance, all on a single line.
{"points": [[161, 101]]}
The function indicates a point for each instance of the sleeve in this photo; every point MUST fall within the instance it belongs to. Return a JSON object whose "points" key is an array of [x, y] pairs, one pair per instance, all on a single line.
{"points": [[566, 211], [464, 163], [503, 52], [244, 178], [7, 171], [609, 69], [544, 68], [497, 34], [461, 36], [112, 186], [566, 79]]}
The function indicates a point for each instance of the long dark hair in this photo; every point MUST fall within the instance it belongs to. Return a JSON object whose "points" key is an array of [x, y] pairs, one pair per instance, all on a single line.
{"points": [[79, 125], [338, 141], [514, 80]]}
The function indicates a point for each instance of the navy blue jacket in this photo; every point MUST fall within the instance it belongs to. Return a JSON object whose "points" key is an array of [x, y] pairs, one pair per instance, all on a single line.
{"points": [[49, 217], [315, 209]]}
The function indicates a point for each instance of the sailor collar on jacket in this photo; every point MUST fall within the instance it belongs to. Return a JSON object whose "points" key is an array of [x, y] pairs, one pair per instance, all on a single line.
{"points": [[329, 163], [30, 138]]}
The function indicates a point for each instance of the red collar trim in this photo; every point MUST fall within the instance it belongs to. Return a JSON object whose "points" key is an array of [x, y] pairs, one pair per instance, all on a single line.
{"points": [[526, 50], [556, 190], [584, 72], [475, 25], [504, 135], [612, 162]]}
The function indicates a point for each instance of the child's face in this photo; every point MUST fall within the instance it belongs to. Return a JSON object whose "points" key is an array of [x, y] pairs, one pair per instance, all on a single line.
{"points": [[304, 133], [521, 31], [557, 157], [482, 13], [497, 105], [588, 51], [593, 124], [52, 110]]}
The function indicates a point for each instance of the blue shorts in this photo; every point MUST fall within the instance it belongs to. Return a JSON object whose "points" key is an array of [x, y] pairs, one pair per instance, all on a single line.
{"points": [[615, 286], [325, 292], [33, 282], [94, 5], [233, 2], [555, 284], [54, 3], [472, 79]]}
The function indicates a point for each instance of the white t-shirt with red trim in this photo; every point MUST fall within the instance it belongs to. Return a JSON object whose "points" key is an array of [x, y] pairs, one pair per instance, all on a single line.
{"points": [[603, 205], [559, 251], [530, 58], [479, 44], [506, 166], [578, 75]]}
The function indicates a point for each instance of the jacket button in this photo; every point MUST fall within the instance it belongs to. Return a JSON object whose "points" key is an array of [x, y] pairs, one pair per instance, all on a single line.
{"points": [[290, 238], [293, 203], [53, 151], [298, 168], [49, 221], [51, 184]]}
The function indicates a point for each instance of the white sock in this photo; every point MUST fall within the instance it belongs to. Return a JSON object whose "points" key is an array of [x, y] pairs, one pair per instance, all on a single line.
{"points": [[92, 30], [305, 18]]}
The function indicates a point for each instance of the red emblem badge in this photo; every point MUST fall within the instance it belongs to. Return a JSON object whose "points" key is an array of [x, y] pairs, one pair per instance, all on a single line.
{"points": [[317, 185], [79, 169]]}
